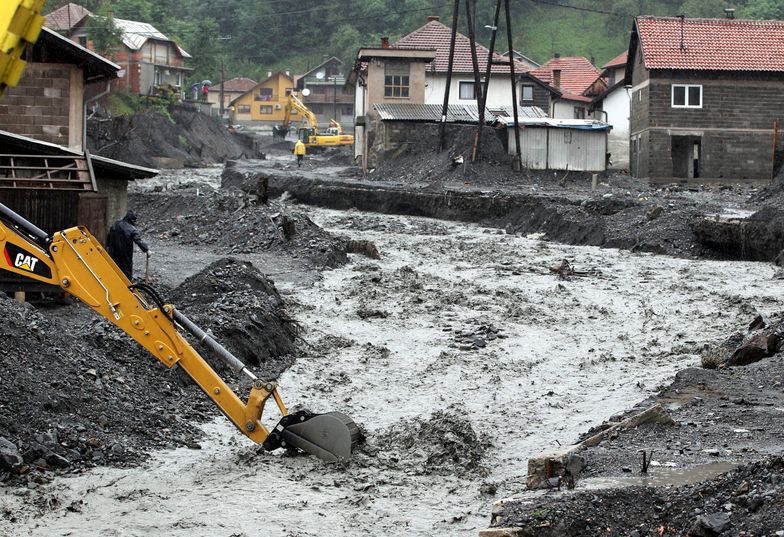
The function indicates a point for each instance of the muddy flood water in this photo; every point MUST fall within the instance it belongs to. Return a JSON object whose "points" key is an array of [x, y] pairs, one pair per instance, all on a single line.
{"points": [[460, 353]]}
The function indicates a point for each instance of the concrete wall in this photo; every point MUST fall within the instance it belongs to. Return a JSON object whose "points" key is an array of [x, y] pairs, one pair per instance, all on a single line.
{"points": [[116, 191], [375, 82], [617, 108], [565, 109], [47, 104]]}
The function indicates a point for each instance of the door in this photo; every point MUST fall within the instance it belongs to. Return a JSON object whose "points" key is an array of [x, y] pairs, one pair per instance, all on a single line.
{"points": [[685, 152]]}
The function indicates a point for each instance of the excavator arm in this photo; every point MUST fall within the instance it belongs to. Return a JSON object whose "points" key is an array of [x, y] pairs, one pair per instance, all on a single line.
{"points": [[76, 262], [20, 25]]}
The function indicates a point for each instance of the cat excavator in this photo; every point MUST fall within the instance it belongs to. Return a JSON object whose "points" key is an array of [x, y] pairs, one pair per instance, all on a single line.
{"points": [[76, 262], [311, 136]]}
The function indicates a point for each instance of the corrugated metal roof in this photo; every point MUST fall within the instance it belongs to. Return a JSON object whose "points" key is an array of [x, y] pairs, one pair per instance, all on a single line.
{"points": [[136, 34], [522, 111], [579, 124], [456, 113]]}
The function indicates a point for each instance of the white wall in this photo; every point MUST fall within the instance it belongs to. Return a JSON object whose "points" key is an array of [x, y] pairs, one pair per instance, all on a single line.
{"points": [[499, 93], [565, 109], [617, 106], [360, 109]]}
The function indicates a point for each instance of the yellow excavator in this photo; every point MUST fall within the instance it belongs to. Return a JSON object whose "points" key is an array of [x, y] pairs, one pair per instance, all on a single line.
{"points": [[310, 135], [76, 262], [20, 25]]}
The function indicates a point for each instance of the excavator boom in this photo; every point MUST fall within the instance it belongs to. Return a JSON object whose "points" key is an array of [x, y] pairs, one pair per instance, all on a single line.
{"points": [[76, 262], [20, 25], [310, 135]]}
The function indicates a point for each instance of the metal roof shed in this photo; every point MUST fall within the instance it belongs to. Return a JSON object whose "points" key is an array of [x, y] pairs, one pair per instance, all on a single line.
{"points": [[559, 144]]}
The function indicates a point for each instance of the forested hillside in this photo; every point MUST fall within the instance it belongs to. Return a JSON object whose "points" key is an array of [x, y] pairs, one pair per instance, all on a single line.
{"points": [[254, 36]]}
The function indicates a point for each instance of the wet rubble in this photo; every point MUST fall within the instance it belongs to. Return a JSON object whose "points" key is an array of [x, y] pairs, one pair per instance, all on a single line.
{"points": [[78, 392]]}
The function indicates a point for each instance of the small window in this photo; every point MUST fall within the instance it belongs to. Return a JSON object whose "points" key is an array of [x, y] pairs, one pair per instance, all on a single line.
{"points": [[686, 96], [265, 109], [396, 86], [527, 94], [243, 109], [579, 112], [347, 110], [83, 40], [467, 92]]}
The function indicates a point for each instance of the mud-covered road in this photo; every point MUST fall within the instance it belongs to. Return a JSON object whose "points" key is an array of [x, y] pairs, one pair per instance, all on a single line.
{"points": [[460, 353]]}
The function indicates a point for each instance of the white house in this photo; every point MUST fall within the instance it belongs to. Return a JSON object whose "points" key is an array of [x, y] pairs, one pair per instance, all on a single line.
{"points": [[613, 106]]}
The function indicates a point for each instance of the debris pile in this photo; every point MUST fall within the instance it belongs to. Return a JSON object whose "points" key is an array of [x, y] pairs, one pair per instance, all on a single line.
{"points": [[444, 444], [763, 339], [244, 312], [234, 222], [78, 392], [746, 501]]}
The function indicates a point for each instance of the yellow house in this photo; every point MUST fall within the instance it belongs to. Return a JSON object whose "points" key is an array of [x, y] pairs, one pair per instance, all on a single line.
{"points": [[265, 103]]}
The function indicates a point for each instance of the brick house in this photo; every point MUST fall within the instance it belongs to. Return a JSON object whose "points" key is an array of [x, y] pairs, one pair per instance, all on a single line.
{"points": [[577, 81], [45, 173], [706, 98], [329, 97], [152, 63]]}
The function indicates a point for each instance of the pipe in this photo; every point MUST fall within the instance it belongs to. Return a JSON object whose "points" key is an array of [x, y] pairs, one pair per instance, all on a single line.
{"points": [[208, 341], [84, 112]]}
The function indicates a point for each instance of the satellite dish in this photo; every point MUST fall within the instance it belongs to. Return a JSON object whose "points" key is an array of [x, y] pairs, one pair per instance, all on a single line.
{"points": [[320, 75], [305, 92]]}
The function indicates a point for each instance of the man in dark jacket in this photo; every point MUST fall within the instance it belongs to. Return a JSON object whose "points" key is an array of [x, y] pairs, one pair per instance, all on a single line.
{"points": [[122, 235]]}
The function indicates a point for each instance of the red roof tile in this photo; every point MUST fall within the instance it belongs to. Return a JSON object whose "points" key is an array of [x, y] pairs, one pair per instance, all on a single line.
{"points": [[577, 73], [711, 44], [238, 84], [618, 61], [436, 35], [66, 17]]}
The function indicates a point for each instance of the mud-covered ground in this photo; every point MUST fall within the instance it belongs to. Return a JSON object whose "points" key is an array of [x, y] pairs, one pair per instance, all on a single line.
{"points": [[460, 353]]}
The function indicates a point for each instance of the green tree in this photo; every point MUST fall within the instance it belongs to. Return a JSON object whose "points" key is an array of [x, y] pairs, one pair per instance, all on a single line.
{"points": [[102, 31], [764, 10]]}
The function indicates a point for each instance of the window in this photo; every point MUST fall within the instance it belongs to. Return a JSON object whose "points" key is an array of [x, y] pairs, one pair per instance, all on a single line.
{"points": [[527, 94], [467, 92], [178, 80], [243, 109], [579, 112], [265, 94], [686, 96], [396, 79], [395, 86], [265, 109], [157, 78], [83, 40], [347, 110]]}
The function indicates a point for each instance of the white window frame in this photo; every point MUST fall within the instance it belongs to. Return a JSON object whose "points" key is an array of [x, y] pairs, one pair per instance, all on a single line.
{"points": [[522, 92], [686, 88]]}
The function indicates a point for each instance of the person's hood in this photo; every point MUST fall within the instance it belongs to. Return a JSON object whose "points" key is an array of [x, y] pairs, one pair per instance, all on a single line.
{"points": [[130, 217]]}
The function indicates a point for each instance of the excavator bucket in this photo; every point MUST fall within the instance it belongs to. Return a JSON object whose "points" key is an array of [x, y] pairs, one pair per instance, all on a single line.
{"points": [[330, 436]]}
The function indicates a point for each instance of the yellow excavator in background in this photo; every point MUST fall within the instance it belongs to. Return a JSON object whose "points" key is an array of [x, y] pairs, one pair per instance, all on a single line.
{"points": [[76, 262], [20, 25], [310, 135]]}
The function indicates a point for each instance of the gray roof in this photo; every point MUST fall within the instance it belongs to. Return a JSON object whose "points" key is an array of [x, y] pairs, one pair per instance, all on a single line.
{"points": [[456, 113], [522, 111], [136, 34]]}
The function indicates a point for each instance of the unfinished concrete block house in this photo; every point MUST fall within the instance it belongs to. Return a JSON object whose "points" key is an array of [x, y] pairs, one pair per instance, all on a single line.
{"points": [[707, 98]]}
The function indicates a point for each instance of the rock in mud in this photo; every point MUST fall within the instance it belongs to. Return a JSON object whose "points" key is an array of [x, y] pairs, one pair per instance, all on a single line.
{"points": [[10, 458], [444, 444], [710, 525]]}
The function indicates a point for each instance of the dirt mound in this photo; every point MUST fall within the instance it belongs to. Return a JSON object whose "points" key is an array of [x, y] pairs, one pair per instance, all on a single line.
{"points": [[234, 222], [444, 444], [746, 501], [150, 138], [79, 392], [244, 312], [71, 401], [419, 161]]}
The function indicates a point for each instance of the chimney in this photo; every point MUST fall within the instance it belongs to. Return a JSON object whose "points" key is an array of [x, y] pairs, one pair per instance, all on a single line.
{"points": [[557, 55], [729, 13], [269, 74], [433, 18], [384, 42], [288, 73], [557, 78]]}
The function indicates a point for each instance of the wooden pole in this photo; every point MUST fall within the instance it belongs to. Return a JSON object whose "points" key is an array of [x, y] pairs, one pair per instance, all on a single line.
{"points": [[475, 65], [488, 71], [517, 164], [444, 110]]}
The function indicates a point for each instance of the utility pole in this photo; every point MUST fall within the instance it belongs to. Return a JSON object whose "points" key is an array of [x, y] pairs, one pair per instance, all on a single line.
{"points": [[445, 108], [335, 98], [223, 82]]}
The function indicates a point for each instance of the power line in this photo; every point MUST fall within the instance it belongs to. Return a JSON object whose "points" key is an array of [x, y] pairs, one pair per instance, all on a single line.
{"points": [[576, 8]]}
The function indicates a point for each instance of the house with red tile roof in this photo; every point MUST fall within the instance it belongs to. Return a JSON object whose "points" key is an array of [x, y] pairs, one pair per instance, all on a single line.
{"points": [[613, 106], [435, 35], [152, 63], [232, 88], [577, 80], [706, 98]]}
